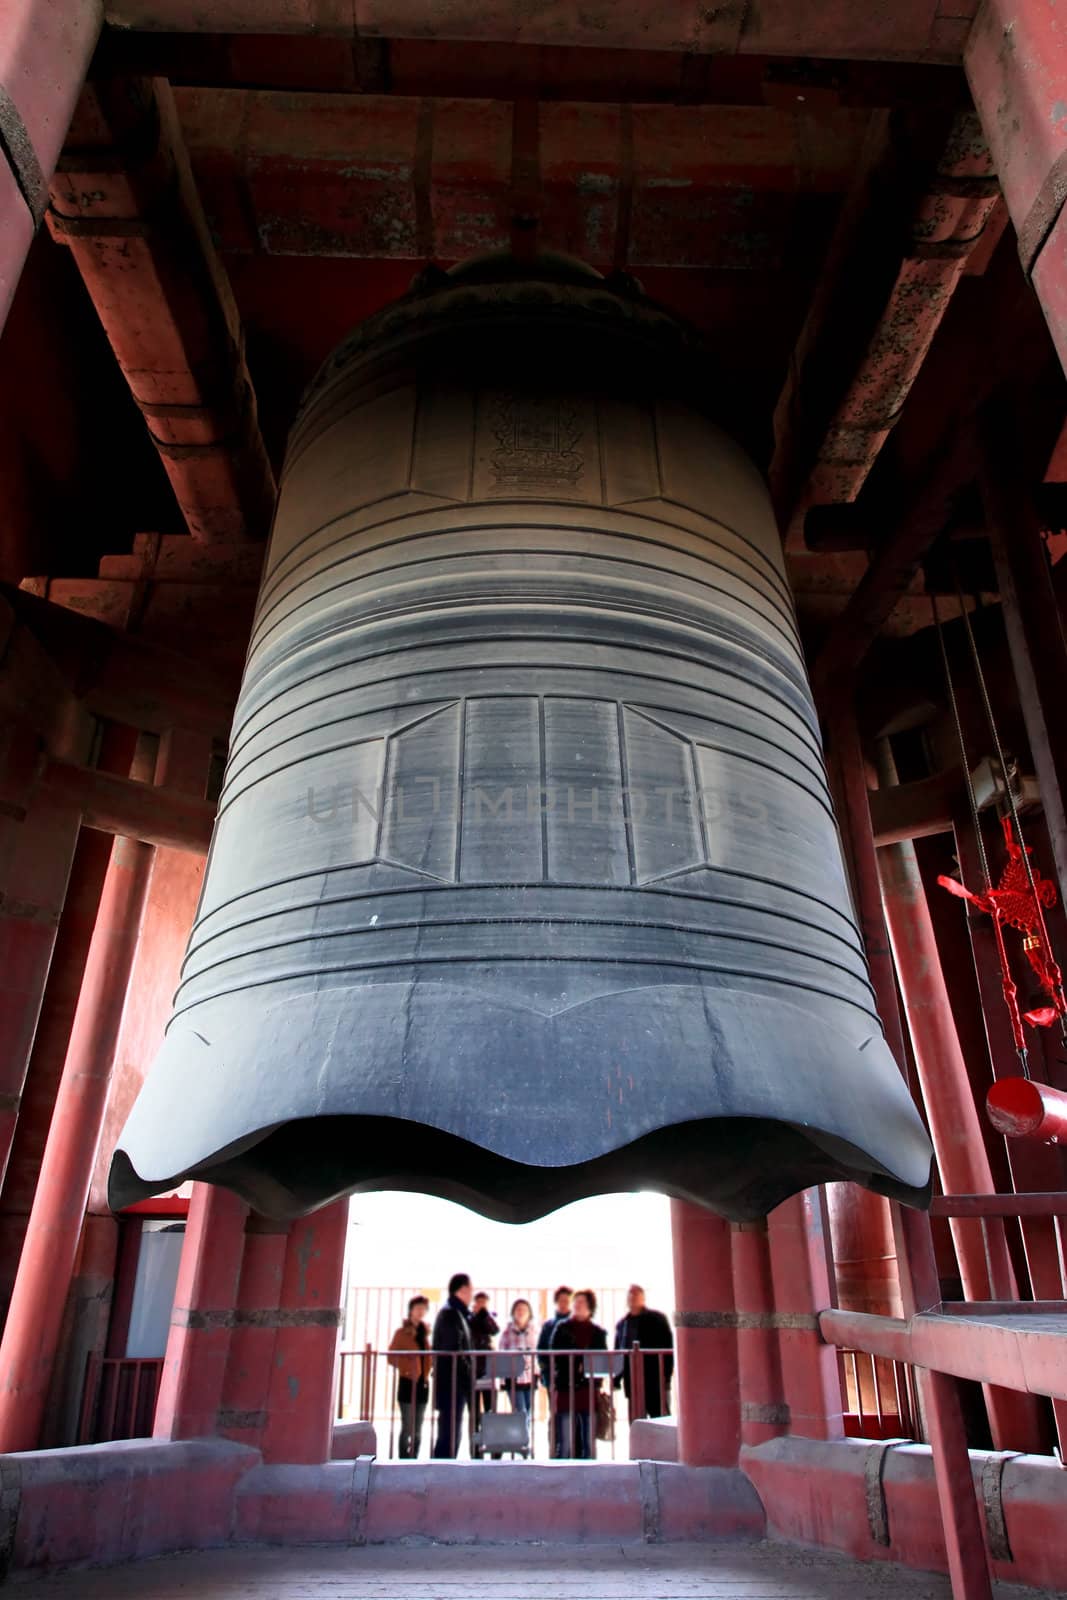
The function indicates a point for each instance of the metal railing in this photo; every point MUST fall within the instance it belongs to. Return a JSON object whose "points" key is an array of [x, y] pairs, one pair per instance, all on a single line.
{"points": [[119, 1399], [565, 1402]]}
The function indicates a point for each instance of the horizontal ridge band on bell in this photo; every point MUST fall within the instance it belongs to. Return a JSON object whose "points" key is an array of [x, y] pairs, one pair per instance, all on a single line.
{"points": [[525, 858]]}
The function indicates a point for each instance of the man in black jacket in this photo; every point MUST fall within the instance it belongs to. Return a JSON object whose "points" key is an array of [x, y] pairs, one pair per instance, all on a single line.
{"points": [[562, 1301], [652, 1331], [452, 1373]]}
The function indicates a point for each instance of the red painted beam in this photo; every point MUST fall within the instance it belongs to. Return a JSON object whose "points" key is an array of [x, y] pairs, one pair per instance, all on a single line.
{"points": [[398, 177], [916, 810], [893, 567], [130, 809], [947, 228], [125, 203], [890, 273], [119, 676], [910, 30], [999, 1205], [1003, 1345]]}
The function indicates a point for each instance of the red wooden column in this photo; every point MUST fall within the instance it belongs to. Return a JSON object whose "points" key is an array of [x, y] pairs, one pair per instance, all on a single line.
{"points": [[919, 1286], [35, 1315], [36, 851], [205, 1298], [253, 1343], [301, 1400], [52, 1038], [1016, 1420], [45, 46], [764, 1413], [861, 1227], [709, 1400], [192, 1391], [250, 1355], [800, 1268], [1016, 64]]}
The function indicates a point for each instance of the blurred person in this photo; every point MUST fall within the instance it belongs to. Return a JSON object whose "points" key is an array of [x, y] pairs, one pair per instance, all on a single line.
{"points": [[453, 1375], [576, 1390], [562, 1302], [409, 1355], [518, 1337], [652, 1331], [484, 1329]]}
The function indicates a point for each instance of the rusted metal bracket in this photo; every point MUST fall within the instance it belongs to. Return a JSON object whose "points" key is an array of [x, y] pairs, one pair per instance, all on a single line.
{"points": [[874, 1488], [993, 1503], [361, 1472]]}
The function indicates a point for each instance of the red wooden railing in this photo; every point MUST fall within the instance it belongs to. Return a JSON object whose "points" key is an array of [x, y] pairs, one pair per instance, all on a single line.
{"points": [[119, 1399]]}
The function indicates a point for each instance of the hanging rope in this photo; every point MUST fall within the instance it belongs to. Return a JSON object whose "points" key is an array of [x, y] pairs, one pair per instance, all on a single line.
{"points": [[1022, 896], [1007, 982]]}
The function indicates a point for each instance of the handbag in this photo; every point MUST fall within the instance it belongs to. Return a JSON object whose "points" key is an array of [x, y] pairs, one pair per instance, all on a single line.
{"points": [[605, 1415]]}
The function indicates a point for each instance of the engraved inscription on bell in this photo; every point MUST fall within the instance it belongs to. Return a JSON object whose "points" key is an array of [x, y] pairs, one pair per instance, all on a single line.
{"points": [[537, 442]]}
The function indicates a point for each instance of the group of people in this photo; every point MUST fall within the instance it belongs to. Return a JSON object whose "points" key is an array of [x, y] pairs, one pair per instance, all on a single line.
{"points": [[468, 1371]]}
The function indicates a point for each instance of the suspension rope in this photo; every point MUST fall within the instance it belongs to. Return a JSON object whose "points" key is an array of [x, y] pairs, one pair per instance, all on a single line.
{"points": [[1007, 982], [1042, 939]]}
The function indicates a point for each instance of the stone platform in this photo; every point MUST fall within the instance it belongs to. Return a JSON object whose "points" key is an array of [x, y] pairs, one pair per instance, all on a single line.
{"points": [[715, 1571], [873, 1502]]}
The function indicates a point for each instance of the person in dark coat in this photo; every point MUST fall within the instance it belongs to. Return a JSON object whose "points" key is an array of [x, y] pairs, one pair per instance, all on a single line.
{"points": [[484, 1329], [562, 1302], [652, 1331], [576, 1382], [453, 1377]]}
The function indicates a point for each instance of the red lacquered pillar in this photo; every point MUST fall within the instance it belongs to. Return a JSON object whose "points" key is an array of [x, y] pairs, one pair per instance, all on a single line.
{"points": [[1014, 60], [919, 1286], [301, 1400], [946, 1086], [201, 1325], [250, 1357], [1016, 1419], [861, 1227], [52, 1039], [709, 1401], [45, 46], [35, 1316], [36, 853], [800, 1270], [764, 1413]]}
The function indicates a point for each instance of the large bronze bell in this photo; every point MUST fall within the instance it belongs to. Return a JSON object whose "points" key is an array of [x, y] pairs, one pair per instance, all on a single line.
{"points": [[525, 883]]}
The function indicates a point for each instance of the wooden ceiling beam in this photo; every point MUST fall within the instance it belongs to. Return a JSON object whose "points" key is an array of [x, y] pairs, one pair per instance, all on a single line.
{"points": [[124, 201], [826, 448], [916, 30], [117, 676]]}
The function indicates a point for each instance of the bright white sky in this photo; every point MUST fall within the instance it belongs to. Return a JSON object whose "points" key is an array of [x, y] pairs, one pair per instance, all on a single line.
{"points": [[409, 1239]]}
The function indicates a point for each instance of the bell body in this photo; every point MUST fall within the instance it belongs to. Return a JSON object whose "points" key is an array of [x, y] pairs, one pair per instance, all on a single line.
{"points": [[525, 883]]}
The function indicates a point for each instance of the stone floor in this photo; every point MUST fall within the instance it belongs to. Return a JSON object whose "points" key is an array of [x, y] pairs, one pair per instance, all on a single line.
{"points": [[451, 1572]]}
